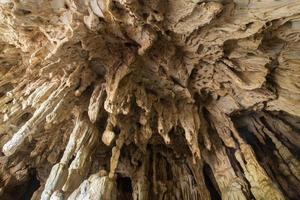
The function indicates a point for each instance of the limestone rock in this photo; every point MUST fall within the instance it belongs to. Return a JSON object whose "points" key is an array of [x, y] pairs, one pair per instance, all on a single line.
{"points": [[156, 99]]}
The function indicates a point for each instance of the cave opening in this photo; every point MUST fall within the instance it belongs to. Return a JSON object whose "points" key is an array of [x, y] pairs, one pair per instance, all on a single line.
{"points": [[32, 185], [23, 190], [124, 187], [208, 177]]}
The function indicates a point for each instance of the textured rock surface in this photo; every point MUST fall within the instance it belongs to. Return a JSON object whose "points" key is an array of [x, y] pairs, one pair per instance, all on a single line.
{"points": [[156, 99]]}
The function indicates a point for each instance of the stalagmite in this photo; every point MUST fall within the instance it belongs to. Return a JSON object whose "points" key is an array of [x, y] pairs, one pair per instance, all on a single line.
{"points": [[149, 99]]}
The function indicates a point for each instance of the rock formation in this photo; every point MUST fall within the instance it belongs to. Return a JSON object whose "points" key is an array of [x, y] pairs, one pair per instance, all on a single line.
{"points": [[149, 99]]}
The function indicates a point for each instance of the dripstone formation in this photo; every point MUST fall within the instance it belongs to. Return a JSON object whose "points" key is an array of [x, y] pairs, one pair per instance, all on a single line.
{"points": [[149, 99]]}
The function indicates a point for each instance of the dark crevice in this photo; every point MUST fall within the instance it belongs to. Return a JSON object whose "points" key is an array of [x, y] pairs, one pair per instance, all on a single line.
{"points": [[71, 160], [239, 171], [293, 149], [33, 184], [124, 187], [265, 152], [5, 88], [209, 182], [289, 119], [23, 190], [25, 117]]}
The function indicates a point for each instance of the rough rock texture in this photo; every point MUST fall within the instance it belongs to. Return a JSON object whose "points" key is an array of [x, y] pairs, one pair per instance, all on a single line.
{"points": [[149, 99]]}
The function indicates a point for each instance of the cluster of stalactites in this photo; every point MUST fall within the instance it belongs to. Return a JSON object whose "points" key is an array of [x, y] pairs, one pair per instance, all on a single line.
{"points": [[117, 73]]}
